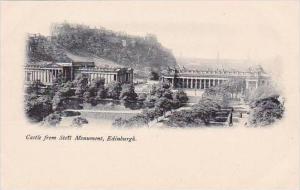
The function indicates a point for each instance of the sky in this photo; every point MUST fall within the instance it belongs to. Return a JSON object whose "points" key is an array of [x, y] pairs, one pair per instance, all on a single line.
{"points": [[200, 29]]}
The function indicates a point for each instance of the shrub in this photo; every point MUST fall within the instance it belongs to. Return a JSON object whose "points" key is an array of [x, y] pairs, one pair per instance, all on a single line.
{"points": [[37, 107], [79, 121], [266, 111], [52, 119]]}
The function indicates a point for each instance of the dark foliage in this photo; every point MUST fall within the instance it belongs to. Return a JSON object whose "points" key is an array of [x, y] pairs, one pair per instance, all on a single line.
{"points": [[266, 111], [79, 121], [37, 107], [52, 120], [132, 51]]}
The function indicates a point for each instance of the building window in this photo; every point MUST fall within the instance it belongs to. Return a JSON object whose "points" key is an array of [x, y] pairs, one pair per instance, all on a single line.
{"points": [[115, 77]]}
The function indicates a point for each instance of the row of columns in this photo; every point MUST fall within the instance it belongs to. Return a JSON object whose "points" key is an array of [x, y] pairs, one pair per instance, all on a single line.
{"points": [[195, 83], [123, 78], [44, 75], [107, 77]]}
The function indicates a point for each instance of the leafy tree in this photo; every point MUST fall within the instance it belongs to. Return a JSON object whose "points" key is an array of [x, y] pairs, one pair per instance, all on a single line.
{"points": [[34, 87], [142, 97], [154, 75], [262, 92], [66, 90], [206, 109], [95, 86], [153, 90], [81, 85], [164, 104], [128, 93], [266, 111], [184, 118], [101, 93], [57, 101], [52, 119], [266, 105], [119, 122], [235, 86], [152, 114], [37, 107], [218, 94], [114, 90], [150, 101], [87, 97], [79, 121], [180, 98]]}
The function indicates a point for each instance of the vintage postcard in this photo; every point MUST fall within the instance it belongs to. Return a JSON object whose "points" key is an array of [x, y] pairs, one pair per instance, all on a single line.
{"points": [[150, 95]]}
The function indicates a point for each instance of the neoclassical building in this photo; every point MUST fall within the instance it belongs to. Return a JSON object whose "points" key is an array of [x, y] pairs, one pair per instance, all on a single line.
{"points": [[47, 72], [202, 79]]}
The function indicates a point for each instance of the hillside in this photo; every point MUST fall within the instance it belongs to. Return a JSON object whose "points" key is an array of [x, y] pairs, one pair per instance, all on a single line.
{"points": [[69, 42]]}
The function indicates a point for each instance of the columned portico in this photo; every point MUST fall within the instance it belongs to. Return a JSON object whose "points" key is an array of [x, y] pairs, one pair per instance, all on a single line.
{"points": [[194, 79]]}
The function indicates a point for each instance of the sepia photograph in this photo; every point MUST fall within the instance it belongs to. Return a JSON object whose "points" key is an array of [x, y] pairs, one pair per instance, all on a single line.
{"points": [[80, 74], [150, 95]]}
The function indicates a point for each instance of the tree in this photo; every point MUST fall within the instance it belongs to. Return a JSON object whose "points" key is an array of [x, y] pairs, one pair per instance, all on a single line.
{"points": [[236, 86], [79, 121], [119, 122], [101, 93], [218, 94], [81, 84], [266, 111], [34, 87], [180, 98], [37, 107], [87, 97], [57, 101], [128, 93], [114, 90], [58, 82], [150, 101], [154, 75], [164, 104], [95, 86], [206, 109], [262, 92], [184, 118], [66, 90], [52, 119]]}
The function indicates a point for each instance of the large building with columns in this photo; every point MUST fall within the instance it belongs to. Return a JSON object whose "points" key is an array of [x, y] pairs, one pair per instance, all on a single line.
{"points": [[202, 79], [47, 72]]}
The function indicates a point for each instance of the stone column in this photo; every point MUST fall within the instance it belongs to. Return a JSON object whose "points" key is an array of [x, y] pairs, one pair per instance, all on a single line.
{"points": [[194, 83], [47, 76], [201, 84], [106, 78], [39, 75], [50, 76], [33, 75]]}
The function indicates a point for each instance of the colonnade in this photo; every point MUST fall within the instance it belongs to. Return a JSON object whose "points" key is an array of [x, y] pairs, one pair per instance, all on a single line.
{"points": [[45, 76], [195, 83], [109, 77]]}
